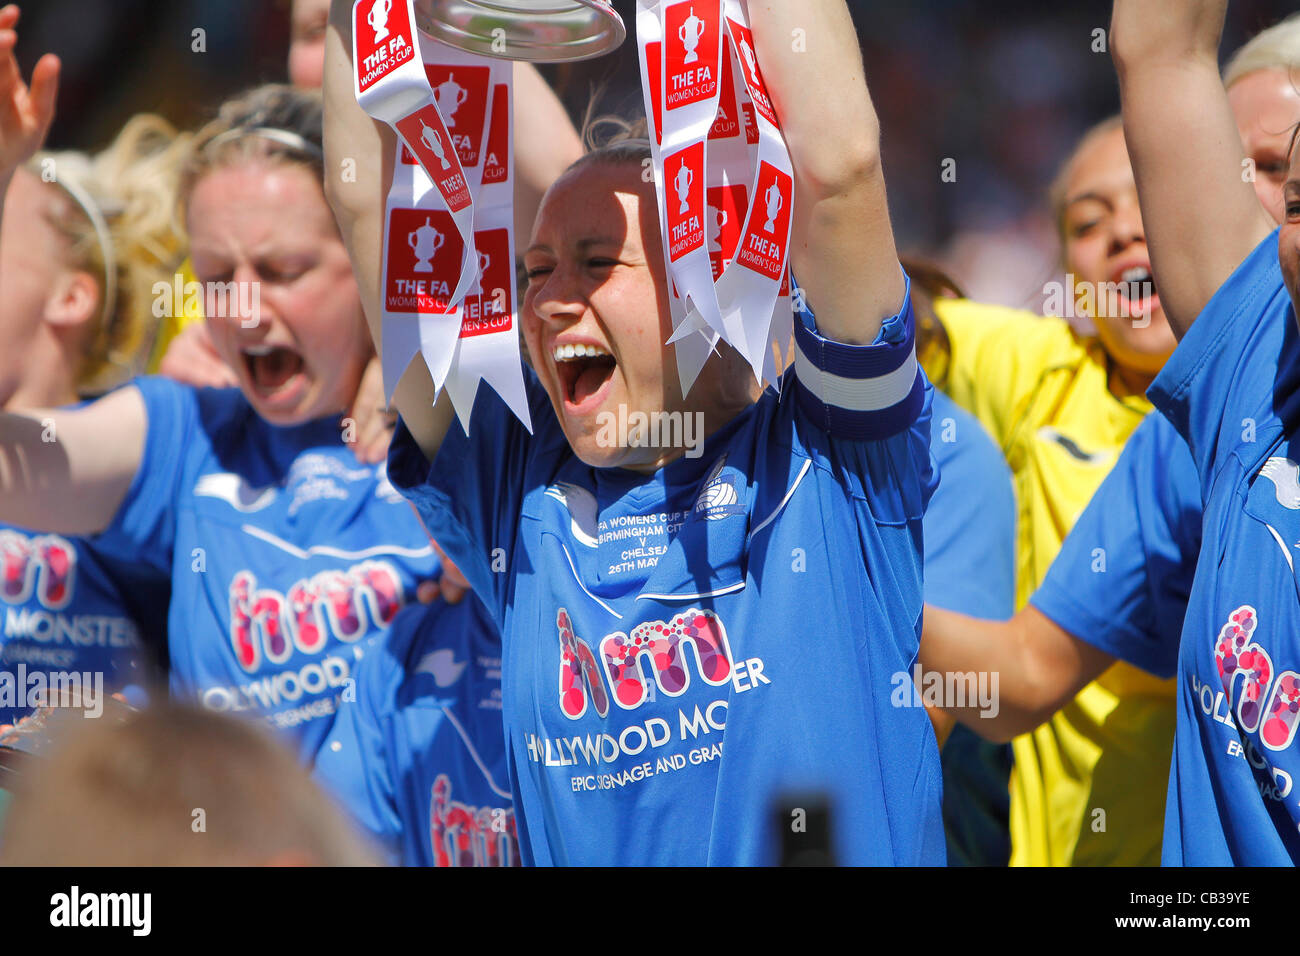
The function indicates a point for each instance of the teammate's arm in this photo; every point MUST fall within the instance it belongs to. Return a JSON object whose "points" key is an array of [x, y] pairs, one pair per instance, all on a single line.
{"points": [[1202, 219], [842, 246], [546, 144], [69, 471], [26, 111], [1040, 666], [65, 472], [358, 202]]}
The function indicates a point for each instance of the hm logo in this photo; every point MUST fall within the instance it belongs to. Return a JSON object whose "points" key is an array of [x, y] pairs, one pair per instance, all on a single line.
{"points": [[663, 643]]}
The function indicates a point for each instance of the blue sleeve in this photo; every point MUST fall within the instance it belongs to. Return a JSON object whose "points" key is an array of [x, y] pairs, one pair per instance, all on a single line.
{"points": [[860, 392], [970, 524], [471, 497], [143, 532], [1124, 573], [353, 763], [1225, 371]]}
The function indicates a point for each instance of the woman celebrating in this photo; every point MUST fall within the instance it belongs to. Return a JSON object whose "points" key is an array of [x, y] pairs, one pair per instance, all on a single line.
{"points": [[1119, 586], [283, 552], [83, 242], [778, 588], [1061, 406], [1231, 391]]}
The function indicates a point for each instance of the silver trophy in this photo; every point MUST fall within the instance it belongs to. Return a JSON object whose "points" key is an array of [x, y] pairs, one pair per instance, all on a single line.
{"points": [[540, 31]]}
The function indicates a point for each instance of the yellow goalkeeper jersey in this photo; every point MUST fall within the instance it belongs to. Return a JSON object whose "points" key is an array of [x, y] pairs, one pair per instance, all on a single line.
{"points": [[1042, 391]]}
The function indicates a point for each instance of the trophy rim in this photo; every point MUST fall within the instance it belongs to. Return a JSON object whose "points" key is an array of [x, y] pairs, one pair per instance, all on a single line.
{"points": [[605, 31]]}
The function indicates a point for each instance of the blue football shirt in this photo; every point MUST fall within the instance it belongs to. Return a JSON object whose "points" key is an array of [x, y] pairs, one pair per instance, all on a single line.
{"points": [[68, 618], [1231, 389], [970, 524], [1124, 573], [970, 568], [419, 757], [765, 589], [285, 554]]}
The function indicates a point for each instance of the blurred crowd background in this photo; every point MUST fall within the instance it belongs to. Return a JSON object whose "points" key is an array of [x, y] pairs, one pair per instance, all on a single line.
{"points": [[1002, 87]]}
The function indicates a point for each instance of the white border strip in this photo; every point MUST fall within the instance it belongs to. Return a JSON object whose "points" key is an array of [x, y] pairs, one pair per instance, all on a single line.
{"points": [[569, 558], [784, 501], [478, 761], [856, 394], [690, 597], [327, 551]]}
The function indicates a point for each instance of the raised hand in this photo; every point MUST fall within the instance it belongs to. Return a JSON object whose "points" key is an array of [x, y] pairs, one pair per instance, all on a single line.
{"points": [[1172, 30], [1200, 216], [374, 424], [192, 359], [26, 112]]}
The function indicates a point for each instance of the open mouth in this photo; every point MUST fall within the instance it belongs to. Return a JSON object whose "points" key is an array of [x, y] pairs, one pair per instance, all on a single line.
{"points": [[584, 372], [1137, 287], [271, 367]]}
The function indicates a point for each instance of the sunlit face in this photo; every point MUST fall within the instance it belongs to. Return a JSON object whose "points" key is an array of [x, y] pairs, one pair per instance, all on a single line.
{"points": [[307, 43], [34, 269], [596, 316], [300, 352], [1105, 247], [1266, 105]]}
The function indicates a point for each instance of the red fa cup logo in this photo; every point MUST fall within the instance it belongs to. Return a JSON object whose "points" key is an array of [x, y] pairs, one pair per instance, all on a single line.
{"points": [[451, 96], [431, 138], [378, 19], [690, 33], [425, 243]]}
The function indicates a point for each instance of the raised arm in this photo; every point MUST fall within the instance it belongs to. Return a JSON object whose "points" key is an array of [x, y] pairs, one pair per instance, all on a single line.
{"points": [[26, 112], [1040, 667], [1201, 217], [546, 144], [842, 246], [358, 204], [65, 472], [68, 472]]}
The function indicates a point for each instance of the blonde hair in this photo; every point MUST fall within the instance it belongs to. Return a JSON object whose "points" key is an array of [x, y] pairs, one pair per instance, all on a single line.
{"points": [[128, 793], [1277, 48], [629, 142], [129, 187]]}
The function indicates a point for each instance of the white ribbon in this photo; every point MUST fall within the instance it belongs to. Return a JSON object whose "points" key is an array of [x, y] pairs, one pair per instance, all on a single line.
{"points": [[692, 339], [452, 187], [751, 292], [728, 124]]}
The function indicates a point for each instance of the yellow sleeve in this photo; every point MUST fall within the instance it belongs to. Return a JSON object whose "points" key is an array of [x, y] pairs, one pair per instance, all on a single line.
{"points": [[186, 309], [997, 356]]}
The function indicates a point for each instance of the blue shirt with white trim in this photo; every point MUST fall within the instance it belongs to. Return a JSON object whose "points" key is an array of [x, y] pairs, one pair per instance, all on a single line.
{"points": [[970, 568], [764, 588], [70, 619], [418, 757], [285, 555], [74, 620], [1232, 388], [1124, 573]]}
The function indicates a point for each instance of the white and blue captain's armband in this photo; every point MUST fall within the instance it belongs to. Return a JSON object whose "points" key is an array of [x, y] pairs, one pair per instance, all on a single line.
{"points": [[860, 392]]}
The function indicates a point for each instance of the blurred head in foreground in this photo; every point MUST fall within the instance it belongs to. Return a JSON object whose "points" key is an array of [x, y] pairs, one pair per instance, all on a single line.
{"points": [[173, 785]]}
